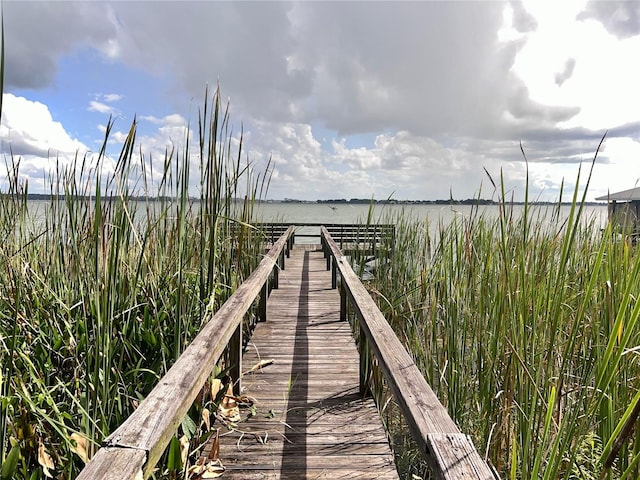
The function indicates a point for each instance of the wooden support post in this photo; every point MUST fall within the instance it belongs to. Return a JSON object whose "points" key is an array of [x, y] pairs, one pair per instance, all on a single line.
{"points": [[235, 360], [343, 302], [276, 272], [281, 262], [365, 364], [262, 303], [334, 274], [374, 239]]}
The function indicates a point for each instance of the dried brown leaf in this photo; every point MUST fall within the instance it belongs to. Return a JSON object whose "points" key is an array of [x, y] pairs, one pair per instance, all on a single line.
{"points": [[246, 400], [45, 460], [228, 408], [184, 448], [210, 469], [213, 470], [215, 446], [206, 418], [260, 365], [216, 386], [80, 447]]}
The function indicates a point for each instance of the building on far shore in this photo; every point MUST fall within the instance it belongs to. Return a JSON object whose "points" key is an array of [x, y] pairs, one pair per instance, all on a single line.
{"points": [[624, 210]]}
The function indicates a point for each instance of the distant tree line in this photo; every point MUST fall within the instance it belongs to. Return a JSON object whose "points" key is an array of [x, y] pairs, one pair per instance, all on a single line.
{"points": [[450, 201], [367, 201], [333, 201]]}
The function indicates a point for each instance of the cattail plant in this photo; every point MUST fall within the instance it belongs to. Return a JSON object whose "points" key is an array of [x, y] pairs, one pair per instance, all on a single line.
{"points": [[104, 284], [526, 325]]}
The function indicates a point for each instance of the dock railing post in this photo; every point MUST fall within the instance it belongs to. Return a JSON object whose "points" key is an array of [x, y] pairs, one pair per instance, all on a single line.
{"points": [[262, 303], [365, 364], [281, 262], [235, 359], [276, 276], [343, 301], [374, 240], [334, 273]]}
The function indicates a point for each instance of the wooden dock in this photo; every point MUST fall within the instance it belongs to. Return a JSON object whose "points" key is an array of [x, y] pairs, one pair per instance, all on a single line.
{"points": [[307, 418], [310, 420]]}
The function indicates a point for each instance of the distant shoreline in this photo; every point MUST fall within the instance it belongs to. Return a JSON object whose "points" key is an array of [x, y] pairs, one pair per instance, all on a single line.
{"points": [[339, 201], [469, 201]]}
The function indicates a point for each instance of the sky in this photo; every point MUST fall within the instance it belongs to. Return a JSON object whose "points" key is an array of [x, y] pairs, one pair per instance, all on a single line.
{"points": [[403, 100]]}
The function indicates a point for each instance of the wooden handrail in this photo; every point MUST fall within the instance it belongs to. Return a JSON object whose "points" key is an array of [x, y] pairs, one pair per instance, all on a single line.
{"points": [[134, 448], [358, 236], [450, 453]]}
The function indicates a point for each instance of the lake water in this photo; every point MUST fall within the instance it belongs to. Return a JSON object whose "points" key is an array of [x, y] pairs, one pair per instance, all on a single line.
{"points": [[435, 214], [353, 213]]}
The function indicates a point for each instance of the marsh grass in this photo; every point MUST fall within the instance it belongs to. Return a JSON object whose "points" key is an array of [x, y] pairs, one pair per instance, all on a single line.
{"points": [[526, 326], [102, 289]]}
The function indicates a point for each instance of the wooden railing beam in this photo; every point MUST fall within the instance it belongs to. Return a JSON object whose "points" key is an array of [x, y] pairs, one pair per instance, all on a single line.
{"points": [[425, 415], [115, 463], [369, 236]]}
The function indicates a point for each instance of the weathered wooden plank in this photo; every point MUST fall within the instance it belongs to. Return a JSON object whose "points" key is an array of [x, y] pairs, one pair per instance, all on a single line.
{"points": [[115, 464], [459, 455], [359, 443], [316, 413], [320, 372], [264, 474], [302, 463]]}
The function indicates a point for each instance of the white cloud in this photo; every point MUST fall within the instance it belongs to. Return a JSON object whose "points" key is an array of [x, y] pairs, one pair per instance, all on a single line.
{"points": [[441, 89], [596, 72], [29, 129], [95, 106], [30, 135], [112, 97], [102, 101], [401, 165], [151, 119], [620, 17], [414, 167]]}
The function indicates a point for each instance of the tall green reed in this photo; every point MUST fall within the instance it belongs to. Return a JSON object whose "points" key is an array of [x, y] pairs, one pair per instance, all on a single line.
{"points": [[105, 285], [526, 325]]}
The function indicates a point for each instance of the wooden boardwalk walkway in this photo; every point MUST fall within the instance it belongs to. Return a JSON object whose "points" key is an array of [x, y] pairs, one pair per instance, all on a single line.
{"points": [[310, 420]]}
